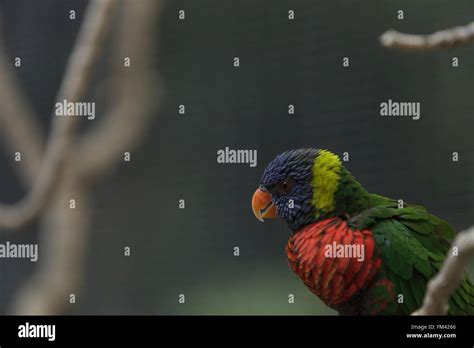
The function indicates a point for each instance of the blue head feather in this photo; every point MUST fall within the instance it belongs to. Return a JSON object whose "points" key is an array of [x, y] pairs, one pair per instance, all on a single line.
{"points": [[294, 168]]}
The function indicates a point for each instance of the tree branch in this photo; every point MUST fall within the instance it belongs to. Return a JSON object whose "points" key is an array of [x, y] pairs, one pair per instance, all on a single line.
{"points": [[18, 123], [134, 94], [443, 38], [64, 232], [63, 240], [78, 74], [442, 286]]}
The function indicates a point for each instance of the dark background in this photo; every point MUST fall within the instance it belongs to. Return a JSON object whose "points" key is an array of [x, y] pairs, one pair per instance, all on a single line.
{"points": [[283, 62]]}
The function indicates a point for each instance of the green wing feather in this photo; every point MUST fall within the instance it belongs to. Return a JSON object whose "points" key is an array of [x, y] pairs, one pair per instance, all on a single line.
{"points": [[413, 244]]}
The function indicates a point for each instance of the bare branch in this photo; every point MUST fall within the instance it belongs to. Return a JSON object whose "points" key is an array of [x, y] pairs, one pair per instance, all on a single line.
{"points": [[63, 244], [134, 94], [442, 286], [18, 123], [64, 230], [443, 38], [78, 73]]}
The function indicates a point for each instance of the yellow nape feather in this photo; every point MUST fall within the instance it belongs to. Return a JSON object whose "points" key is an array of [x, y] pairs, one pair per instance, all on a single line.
{"points": [[325, 181]]}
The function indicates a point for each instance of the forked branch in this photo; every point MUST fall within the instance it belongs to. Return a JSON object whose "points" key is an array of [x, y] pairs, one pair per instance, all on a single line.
{"points": [[76, 79]]}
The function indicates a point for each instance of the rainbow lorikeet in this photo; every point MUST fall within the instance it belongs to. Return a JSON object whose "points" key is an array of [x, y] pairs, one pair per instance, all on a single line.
{"points": [[360, 253]]}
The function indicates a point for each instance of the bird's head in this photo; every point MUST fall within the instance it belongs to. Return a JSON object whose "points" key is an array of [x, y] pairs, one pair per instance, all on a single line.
{"points": [[299, 186]]}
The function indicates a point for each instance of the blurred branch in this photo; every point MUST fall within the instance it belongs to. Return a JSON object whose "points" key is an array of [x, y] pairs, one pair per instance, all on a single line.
{"points": [[77, 76], [63, 241], [442, 286], [22, 132], [443, 38], [65, 231], [134, 94]]}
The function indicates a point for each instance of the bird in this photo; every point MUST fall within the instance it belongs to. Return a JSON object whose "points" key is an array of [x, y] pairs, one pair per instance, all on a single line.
{"points": [[361, 253]]}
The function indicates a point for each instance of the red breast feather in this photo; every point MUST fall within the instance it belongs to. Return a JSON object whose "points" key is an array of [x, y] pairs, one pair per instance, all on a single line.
{"points": [[335, 278]]}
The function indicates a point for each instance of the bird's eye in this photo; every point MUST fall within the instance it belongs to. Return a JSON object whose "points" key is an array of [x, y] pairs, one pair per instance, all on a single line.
{"points": [[284, 186]]}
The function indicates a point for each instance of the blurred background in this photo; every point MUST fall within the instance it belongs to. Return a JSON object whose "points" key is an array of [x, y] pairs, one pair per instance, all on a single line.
{"points": [[191, 251]]}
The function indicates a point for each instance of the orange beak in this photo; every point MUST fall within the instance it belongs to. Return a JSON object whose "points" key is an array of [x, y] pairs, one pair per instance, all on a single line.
{"points": [[262, 205]]}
